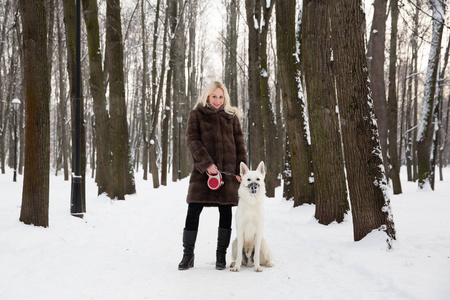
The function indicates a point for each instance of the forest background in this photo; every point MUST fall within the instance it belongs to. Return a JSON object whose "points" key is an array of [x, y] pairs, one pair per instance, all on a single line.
{"points": [[317, 82]]}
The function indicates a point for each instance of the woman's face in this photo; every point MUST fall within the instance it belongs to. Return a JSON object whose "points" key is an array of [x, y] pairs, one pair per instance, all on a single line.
{"points": [[216, 98]]}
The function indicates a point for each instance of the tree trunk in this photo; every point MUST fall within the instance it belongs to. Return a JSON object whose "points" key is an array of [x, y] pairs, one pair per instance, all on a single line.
{"points": [[178, 82], [97, 86], [415, 46], [408, 133], [231, 62], [375, 64], [394, 170], [288, 187], [170, 15], [293, 104], [4, 118], [443, 149], [326, 146], [256, 134], [144, 101], [366, 179], [440, 134], [123, 178], [404, 91], [426, 126], [270, 131], [50, 7], [281, 132], [156, 97], [192, 56], [35, 197], [62, 107]]}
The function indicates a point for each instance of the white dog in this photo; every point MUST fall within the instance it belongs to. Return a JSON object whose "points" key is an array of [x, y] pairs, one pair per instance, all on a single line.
{"points": [[250, 247]]}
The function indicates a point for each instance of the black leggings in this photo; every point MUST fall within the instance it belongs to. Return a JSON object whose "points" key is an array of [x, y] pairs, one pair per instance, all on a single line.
{"points": [[193, 216]]}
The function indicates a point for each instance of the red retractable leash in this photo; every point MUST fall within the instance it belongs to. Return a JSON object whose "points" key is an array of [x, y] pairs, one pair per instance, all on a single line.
{"points": [[215, 180]]}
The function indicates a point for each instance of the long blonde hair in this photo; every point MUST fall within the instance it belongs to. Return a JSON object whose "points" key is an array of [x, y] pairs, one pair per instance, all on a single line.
{"points": [[203, 99]]}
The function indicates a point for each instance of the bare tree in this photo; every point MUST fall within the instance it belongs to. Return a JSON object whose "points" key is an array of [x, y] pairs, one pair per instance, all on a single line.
{"points": [[35, 196], [271, 140], [231, 75], [170, 26], [156, 98], [256, 134], [145, 80], [62, 105], [366, 180], [192, 55], [375, 64], [394, 170], [97, 86], [415, 58], [326, 147], [426, 125], [4, 104], [439, 139], [123, 177], [180, 101], [293, 104]]}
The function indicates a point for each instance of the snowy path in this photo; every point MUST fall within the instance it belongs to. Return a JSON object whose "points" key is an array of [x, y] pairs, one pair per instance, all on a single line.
{"points": [[130, 250]]}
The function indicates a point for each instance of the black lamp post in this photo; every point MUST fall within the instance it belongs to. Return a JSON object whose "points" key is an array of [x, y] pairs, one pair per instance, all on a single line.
{"points": [[179, 120], [15, 104], [76, 208]]}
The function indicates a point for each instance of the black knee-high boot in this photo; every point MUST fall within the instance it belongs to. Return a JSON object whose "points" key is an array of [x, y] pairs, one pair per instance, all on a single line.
{"points": [[189, 237], [223, 240]]}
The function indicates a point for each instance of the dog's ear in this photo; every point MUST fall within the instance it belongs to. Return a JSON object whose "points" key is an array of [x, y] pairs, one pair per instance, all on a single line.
{"points": [[261, 168], [244, 169]]}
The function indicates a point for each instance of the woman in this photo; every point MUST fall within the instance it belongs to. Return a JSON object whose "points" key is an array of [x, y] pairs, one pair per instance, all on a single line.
{"points": [[216, 142]]}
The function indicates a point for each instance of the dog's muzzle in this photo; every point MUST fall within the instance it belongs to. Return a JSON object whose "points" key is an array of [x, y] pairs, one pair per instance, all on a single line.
{"points": [[253, 188]]}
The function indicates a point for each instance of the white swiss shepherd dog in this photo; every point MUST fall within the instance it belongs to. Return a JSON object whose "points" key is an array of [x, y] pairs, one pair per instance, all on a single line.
{"points": [[250, 248]]}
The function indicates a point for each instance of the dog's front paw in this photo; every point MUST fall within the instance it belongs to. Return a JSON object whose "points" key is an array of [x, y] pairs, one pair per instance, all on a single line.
{"points": [[235, 268], [269, 264], [258, 269]]}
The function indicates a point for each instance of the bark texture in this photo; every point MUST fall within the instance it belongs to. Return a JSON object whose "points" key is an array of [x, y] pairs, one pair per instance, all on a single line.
{"points": [[122, 172], [35, 197], [426, 124], [326, 147], [294, 107], [366, 179], [375, 64]]}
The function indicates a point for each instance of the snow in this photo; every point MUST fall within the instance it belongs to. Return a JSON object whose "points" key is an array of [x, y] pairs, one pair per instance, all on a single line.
{"points": [[264, 73], [130, 249], [255, 22]]}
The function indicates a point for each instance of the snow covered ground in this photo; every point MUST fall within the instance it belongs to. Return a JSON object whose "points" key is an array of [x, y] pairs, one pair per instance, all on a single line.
{"points": [[130, 250]]}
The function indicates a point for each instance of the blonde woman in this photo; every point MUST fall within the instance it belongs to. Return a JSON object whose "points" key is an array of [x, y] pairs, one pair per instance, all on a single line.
{"points": [[215, 140]]}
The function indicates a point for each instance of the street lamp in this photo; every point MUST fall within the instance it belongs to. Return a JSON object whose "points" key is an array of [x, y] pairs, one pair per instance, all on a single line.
{"points": [[15, 104], [76, 200], [179, 120]]}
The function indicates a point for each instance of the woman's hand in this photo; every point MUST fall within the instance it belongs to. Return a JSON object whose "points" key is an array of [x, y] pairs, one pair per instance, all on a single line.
{"points": [[238, 178], [212, 169]]}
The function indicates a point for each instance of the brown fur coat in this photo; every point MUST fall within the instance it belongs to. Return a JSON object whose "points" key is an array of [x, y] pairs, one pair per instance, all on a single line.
{"points": [[214, 137]]}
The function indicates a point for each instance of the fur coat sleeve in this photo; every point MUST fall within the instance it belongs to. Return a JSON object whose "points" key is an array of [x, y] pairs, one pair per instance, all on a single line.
{"points": [[194, 142]]}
